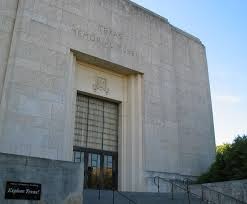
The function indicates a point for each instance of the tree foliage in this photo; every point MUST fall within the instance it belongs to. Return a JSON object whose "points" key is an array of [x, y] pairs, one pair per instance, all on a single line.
{"points": [[230, 162]]}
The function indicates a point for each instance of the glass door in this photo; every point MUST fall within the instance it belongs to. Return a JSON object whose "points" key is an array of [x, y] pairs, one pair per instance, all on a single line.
{"points": [[100, 170], [93, 170], [108, 172]]}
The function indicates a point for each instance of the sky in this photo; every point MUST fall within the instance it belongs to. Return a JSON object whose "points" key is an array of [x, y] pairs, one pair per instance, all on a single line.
{"points": [[222, 27]]}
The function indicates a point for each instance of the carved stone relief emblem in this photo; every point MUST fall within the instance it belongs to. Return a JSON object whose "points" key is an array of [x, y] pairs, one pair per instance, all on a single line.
{"points": [[101, 85]]}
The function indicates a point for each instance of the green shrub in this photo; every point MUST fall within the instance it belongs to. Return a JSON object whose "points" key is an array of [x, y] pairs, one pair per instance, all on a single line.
{"points": [[230, 162]]}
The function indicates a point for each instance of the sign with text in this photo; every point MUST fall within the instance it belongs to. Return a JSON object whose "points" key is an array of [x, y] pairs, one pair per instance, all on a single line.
{"points": [[22, 191]]}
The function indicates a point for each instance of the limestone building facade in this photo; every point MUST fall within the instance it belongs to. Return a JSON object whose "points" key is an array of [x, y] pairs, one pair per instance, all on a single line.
{"points": [[107, 83]]}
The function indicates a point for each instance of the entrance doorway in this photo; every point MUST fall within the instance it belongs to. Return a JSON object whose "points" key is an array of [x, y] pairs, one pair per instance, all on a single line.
{"points": [[96, 141], [100, 170]]}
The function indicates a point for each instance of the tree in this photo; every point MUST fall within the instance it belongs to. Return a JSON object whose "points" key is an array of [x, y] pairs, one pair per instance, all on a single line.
{"points": [[230, 162]]}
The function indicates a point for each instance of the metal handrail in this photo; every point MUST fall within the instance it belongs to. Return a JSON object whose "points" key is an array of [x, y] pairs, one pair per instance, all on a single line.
{"points": [[172, 189], [186, 189], [167, 180], [113, 195], [124, 196]]}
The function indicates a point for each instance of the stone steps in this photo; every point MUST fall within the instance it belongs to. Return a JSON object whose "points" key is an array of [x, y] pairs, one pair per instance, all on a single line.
{"points": [[106, 197]]}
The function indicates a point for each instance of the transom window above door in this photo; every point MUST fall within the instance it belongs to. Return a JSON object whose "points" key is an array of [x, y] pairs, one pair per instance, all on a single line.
{"points": [[96, 124]]}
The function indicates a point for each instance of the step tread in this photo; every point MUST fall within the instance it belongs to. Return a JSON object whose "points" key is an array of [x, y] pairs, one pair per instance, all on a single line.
{"points": [[91, 196]]}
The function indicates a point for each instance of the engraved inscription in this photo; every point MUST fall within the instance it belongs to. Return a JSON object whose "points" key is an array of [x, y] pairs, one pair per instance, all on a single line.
{"points": [[108, 32], [101, 85], [107, 38]]}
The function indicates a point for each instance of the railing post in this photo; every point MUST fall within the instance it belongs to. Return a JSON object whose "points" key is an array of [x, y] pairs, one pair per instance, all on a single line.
{"points": [[113, 196], [172, 191], [219, 199], [99, 191], [202, 192], [188, 192], [158, 184]]}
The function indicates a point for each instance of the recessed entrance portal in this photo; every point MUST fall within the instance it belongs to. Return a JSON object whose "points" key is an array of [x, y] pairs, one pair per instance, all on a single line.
{"points": [[108, 120], [96, 141]]}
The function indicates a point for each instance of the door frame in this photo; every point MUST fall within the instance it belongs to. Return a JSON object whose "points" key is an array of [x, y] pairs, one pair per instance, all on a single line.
{"points": [[101, 153]]}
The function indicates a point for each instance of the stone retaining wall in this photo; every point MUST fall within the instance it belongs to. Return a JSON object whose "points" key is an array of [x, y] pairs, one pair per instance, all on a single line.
{"points": [[236, 189], [61, 182]]}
